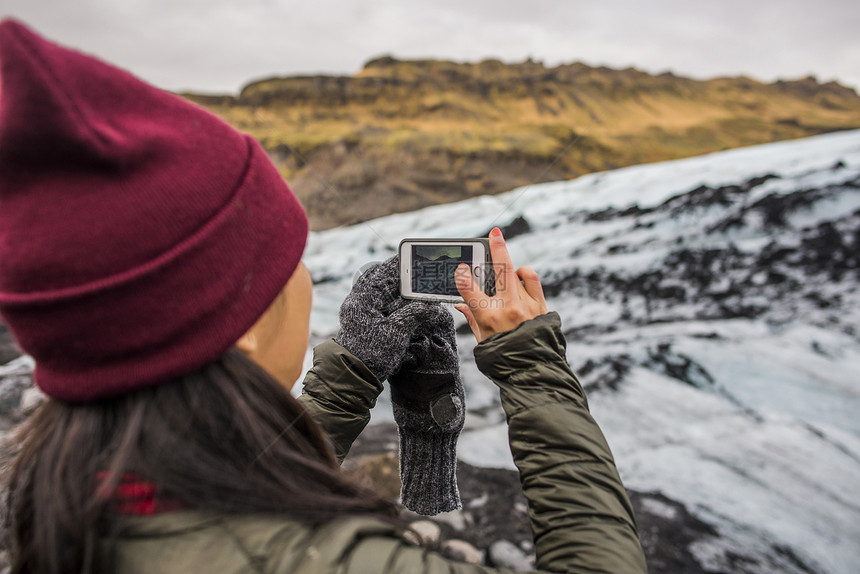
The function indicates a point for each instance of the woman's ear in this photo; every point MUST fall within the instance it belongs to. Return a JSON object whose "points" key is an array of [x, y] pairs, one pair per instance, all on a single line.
{"points": [[247, 343]]}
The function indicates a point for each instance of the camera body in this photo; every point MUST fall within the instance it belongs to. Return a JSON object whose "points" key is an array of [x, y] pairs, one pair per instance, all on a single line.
{"points": [[427, 267]]}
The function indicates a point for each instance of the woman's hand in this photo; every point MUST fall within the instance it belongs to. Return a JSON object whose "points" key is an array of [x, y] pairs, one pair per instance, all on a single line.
{"points": [[519, 295], [377, 324]]}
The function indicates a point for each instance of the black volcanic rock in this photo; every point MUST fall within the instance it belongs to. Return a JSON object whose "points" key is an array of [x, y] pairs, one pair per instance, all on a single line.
{"points": [[8, 349]]}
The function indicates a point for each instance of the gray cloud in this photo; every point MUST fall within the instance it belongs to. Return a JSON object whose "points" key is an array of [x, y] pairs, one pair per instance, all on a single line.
{"points": [[219, 45]]}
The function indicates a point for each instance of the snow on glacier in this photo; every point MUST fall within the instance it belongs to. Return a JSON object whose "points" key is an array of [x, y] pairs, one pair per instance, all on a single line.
{"points": [[732, 394]]}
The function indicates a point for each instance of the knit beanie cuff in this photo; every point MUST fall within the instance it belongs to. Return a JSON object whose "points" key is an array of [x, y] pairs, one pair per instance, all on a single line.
{"points": [[428, 466], [138, 329]]}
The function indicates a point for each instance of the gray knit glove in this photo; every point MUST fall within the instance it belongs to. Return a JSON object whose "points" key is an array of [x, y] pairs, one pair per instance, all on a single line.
{"points": [[429, 408], [376, 323]]}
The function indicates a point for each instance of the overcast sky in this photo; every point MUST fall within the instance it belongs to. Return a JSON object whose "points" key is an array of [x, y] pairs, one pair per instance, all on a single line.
{"points": [[220, 45]]}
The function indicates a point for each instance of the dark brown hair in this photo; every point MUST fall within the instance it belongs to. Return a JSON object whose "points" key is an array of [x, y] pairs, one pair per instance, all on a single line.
{"points": [[226, 438]]}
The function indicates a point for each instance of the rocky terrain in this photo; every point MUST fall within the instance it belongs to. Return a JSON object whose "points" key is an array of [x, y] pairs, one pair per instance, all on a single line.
{"points": [[493, 526], [710, 307], [401, 135]]}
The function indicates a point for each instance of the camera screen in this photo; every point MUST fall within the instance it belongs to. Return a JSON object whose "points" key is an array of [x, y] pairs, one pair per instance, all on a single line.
{"points": [[433, 267]]}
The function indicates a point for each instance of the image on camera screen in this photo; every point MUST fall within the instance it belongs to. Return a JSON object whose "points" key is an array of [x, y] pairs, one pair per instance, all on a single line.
{"points": [[433, 267]]}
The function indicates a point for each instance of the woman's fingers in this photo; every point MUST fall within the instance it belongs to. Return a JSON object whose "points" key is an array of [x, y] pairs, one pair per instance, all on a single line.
{"points": [[468, 288], [414, 314], [380, 281], [531, 283], [473, 296], [502, 264], [519, 295]]}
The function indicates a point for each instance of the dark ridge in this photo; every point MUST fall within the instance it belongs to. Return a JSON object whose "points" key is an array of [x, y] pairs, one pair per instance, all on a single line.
{"points": [[606, 373], [8, 349], [679, 366], [519, 226]]}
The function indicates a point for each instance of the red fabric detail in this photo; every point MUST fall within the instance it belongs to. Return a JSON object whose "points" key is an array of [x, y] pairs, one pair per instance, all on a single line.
{"points": [[134, 496]]}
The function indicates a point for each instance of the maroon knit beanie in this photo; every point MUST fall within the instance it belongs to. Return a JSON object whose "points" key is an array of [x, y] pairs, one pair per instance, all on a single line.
{"points": [[140, 236]]}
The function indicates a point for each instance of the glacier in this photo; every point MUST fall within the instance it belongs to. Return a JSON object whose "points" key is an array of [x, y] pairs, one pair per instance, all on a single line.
{"points": [[711, 310]]}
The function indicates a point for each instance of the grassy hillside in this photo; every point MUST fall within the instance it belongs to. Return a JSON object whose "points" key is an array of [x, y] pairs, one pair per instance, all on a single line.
{"points": [[404, 134]]}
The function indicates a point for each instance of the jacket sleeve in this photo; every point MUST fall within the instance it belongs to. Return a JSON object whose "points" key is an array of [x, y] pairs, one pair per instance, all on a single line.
{"points": [[339, 392], [581, 517]]}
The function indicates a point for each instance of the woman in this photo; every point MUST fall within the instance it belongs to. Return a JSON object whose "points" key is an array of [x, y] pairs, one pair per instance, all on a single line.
{"points": [[150, 264]]}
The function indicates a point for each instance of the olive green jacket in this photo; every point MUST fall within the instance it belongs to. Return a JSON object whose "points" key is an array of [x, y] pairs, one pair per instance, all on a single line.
{"points": [[581, 517]]}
